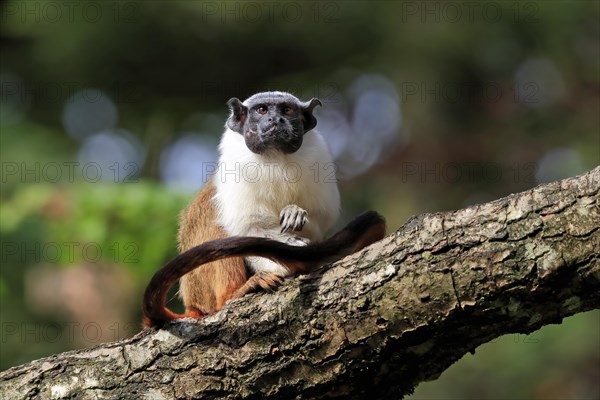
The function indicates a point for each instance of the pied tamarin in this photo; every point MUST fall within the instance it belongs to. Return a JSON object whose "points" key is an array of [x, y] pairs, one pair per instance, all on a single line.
{"points": [[263, 215]]}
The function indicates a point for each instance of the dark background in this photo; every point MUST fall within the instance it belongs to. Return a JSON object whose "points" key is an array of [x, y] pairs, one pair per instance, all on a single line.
{"points": [[111, 112]]}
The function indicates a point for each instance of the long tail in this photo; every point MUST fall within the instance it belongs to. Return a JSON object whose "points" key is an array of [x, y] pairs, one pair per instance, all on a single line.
{"points": [[365, 229]]}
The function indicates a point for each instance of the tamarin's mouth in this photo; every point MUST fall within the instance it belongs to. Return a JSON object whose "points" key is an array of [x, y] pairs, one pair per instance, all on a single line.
{"points": [[275, 134], [273, 128]]}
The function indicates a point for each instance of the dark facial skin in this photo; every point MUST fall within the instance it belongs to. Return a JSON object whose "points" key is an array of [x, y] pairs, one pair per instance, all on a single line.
{"points": [[272, 121]]}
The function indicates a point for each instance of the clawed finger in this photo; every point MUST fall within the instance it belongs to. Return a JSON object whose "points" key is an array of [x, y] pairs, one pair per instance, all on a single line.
{"points": [[292, 218]]}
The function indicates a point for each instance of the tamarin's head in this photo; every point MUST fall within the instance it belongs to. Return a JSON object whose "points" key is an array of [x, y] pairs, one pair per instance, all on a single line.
{"points": [[272, 121]]}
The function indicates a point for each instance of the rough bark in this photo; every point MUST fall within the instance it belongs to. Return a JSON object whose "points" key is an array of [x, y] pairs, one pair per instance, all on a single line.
{"points": [[372, 325]]}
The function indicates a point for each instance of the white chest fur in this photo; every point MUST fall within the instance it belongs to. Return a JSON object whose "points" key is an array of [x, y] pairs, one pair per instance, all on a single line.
{"points": [[252, 189]]}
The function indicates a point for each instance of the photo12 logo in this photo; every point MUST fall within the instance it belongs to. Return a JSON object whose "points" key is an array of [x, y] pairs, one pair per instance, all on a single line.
{"points": [[253, 172], [70, 332], [271, 11], [68, 171], [469, 12], [465, 92], [58, 92], [55, 12], [69, 252], [469, 171]]}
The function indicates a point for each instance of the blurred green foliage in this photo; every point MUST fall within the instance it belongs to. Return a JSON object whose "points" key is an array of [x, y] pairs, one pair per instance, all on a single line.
{"points": [[96, 214], [488, 94], [73, 225]]}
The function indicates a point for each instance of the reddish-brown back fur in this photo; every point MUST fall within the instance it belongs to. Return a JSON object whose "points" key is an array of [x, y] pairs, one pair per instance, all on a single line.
{"points": [[206, 290]]}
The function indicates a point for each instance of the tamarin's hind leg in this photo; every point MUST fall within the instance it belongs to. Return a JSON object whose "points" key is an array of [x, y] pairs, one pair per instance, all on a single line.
{"points": [[265, 280], [206, 289]]}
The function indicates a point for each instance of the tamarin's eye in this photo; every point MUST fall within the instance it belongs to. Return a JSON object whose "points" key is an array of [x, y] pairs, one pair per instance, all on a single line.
{"points": [[287, 110], [261, 110]]}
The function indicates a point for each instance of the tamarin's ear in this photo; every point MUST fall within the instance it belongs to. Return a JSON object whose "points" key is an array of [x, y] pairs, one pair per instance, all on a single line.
{"points": [[236, 120], [307, 113]]}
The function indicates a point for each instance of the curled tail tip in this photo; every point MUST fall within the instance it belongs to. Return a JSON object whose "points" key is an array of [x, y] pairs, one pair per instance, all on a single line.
{"points": [[147, 322], [152, 322]]}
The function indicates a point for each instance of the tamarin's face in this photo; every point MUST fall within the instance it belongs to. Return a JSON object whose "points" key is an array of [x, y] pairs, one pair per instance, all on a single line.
{"points": [[272, 121]]}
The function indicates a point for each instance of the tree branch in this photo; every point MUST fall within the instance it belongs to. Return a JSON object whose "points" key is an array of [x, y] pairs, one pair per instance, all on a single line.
{"points": [[374, 324]]}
